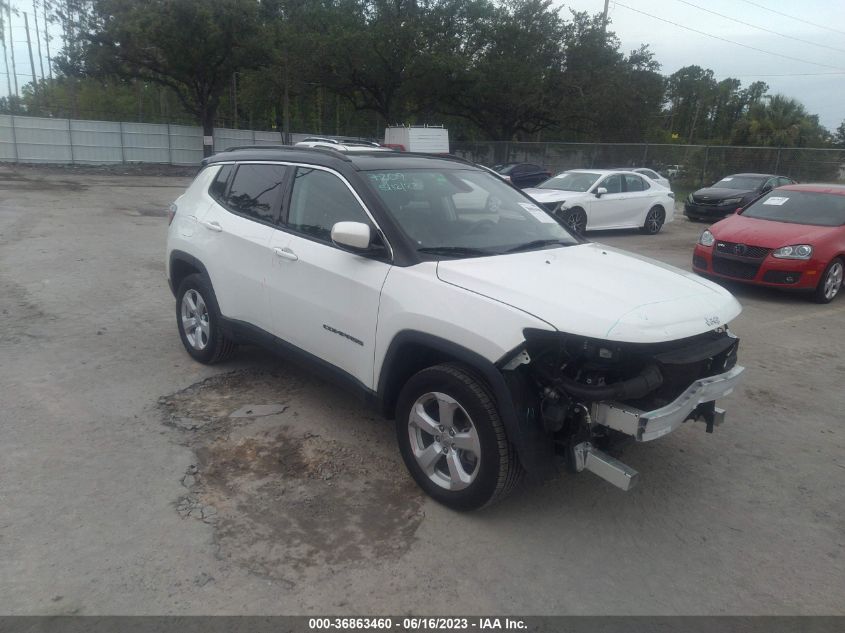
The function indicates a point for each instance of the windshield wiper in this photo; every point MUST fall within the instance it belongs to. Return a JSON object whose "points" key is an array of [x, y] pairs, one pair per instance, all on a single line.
{"points": [[536, 244], [457, 251]]}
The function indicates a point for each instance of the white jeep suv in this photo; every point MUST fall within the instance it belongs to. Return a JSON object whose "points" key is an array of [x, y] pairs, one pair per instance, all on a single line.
{"points": [[499, 342]]}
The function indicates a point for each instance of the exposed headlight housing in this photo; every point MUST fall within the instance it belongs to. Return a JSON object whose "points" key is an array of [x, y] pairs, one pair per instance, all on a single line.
{"points": [[706, 238], [732, 201], [797, 251]]}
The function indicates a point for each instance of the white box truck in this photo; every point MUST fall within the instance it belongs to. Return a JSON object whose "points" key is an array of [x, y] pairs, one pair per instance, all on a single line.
{"points": [[429, 139]]}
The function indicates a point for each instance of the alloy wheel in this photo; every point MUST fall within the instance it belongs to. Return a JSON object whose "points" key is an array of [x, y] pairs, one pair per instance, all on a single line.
{"points": [[195, 322], [833, 281], [444, 441]]}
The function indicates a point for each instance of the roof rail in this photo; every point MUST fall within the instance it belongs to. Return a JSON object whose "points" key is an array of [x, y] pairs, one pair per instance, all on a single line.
{"points": [[329, 151]]}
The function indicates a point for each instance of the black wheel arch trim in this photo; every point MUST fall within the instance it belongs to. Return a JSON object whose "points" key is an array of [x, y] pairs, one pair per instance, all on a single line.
{"points": [[187, 258], [513, 396]]}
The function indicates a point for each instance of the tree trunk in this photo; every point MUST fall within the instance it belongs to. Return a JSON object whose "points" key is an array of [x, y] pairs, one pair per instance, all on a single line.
{"points": [[207, 131]]}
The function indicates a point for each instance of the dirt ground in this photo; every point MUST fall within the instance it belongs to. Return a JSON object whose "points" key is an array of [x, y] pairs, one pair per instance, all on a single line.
{"points": [[135, 481]]}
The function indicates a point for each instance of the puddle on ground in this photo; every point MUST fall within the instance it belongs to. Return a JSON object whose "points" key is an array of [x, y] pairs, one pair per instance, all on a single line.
{"points": [[312, 479]]}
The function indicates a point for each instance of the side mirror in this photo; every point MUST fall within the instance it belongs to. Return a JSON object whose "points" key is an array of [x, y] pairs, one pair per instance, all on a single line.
{"points": [[352, 235], [738, 210], [601, 191]]}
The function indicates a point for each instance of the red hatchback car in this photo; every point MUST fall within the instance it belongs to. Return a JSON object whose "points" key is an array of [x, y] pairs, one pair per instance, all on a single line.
{"points": [[792, 237]]}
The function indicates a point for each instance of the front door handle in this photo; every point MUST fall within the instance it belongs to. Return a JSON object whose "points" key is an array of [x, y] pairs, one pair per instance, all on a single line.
{"points": [[286, 253], [212, 226]]}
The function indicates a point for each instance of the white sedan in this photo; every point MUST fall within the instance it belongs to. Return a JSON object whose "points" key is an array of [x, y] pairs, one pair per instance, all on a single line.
{"points": [[600, 199]]}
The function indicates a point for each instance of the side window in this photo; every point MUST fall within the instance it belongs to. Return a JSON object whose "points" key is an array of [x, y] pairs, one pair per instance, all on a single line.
{"points": [[784, 181], [318, 201], [650, 174], [218, 188], [770, 184], [613, 183], [255, 191], [634, 183]]}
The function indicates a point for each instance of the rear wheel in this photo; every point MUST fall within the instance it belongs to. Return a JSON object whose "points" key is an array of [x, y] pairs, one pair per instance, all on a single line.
{"points": [[654, 220], [576, 220], [452, 439], [198, 320], [830, 283]]}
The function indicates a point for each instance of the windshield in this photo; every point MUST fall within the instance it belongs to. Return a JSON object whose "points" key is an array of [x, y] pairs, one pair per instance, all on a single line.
{"points": [[799, 207], [742, 183], [571, 181], [464, 213]]}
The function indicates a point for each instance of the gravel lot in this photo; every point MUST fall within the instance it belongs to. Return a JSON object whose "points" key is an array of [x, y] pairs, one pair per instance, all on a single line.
{"points": [[134, 481]]}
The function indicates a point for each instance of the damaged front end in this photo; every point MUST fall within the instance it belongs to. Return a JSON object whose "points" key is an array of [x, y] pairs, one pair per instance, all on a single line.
{"points": [[587, 395]]}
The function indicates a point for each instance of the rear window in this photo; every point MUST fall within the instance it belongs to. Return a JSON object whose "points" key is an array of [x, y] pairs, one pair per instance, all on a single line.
{"points": [[218, 188], [799, 207], [255, 190], [741, 183]]}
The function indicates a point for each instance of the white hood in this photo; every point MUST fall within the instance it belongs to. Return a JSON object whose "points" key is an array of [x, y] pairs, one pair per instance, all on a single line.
{"points": [[597, 291], [555, 195]]}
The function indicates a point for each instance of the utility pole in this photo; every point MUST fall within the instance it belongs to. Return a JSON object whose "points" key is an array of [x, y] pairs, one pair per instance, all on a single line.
{"points": [[47, 40], [6, 61], [31, 59], [604, 19], [38, 38], [13, 70]]}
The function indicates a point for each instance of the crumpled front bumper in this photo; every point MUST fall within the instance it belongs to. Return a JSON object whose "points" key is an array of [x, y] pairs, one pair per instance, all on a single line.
{"points": [[692, 404]]}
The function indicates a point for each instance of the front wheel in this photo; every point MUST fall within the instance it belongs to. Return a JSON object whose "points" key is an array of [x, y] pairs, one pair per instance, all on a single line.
{"points": [[576, 220], [654, 220], [452, 439], [830, 283]]}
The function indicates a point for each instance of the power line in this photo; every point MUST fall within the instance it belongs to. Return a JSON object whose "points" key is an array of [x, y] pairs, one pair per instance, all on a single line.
{"points": [[724, 39], [761, 28], [792, 17]]}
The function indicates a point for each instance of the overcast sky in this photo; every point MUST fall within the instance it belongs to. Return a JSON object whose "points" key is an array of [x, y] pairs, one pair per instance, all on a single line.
{"points": [[675, 46]]}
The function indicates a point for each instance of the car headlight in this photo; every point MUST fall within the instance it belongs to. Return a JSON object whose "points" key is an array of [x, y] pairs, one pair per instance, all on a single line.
{"points": [[798, 251], [732, 201], [706, 238]]}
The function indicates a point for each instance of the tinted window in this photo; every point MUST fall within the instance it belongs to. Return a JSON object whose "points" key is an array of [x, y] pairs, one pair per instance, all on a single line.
{"points": [[784, 181], [613, 183], [320, 200], [799, 207], [255, 190], [218, 187], [633, 183]]}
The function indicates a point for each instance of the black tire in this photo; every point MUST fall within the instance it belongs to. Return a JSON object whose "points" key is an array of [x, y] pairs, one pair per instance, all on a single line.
{"points": [[575, 220], [217, 347], [498, 468], [821, 294], [654, 220]]}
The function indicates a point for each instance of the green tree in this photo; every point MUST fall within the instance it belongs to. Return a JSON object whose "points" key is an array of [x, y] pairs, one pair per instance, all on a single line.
{"points": [[192, 47], [779, 121]]}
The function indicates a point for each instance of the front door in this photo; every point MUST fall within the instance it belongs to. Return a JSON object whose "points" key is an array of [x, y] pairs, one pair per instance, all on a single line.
{"points": [[324, 299]]}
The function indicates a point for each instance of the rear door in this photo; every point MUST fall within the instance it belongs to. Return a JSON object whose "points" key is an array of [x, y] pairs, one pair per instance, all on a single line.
{"points": [[641, 197], [324, 300], [236, 236]]}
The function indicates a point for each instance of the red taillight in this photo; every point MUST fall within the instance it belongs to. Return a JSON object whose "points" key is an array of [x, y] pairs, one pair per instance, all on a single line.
{"points": [[171, 213]]}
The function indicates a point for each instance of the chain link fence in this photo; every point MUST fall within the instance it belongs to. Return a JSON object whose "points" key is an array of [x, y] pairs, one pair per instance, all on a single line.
{"points": [[689, 166]]}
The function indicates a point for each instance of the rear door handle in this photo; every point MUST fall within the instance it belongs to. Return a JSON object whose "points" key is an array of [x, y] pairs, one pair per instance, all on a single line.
{"points": [[286, 253], [212, 226]]}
